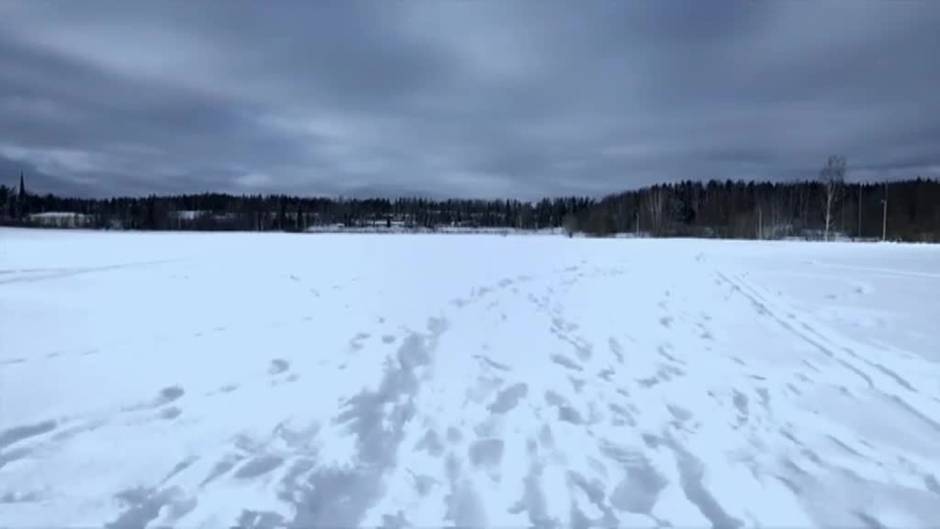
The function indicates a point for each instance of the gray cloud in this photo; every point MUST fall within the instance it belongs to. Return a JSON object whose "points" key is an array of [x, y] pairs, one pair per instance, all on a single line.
{"points": [[471, 99]]}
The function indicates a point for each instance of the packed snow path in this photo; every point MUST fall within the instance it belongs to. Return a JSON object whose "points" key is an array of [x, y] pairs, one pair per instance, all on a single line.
{"points": [[267, 380]]}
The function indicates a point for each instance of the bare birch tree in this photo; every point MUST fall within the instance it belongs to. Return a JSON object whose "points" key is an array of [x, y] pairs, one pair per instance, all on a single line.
{"points": [[832, 177], [655, 203]]}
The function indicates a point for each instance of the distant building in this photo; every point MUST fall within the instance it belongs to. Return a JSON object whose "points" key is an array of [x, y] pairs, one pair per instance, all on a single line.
{"points": [[17, 201], [61, 219]]}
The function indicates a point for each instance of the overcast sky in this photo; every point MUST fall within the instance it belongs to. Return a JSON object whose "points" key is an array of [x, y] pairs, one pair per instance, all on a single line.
{"points": [[461, 98]]}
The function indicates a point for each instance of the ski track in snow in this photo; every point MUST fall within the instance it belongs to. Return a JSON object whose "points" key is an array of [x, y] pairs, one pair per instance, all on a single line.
{"points": [[334, 381]]}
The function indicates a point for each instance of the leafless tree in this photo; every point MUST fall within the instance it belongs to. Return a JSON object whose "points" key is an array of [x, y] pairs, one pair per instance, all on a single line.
{"points": [[832, 177], [655, 204]]}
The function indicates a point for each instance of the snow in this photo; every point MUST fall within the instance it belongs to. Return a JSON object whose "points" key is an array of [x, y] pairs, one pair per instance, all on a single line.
{"points": [[400, 228], [309, 380], [189, 214], [60, 219]]}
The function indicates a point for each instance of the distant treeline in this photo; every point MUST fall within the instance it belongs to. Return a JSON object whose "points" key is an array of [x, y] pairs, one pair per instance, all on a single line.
{"points": [[772, 210], [714, 209], [216, 211]]}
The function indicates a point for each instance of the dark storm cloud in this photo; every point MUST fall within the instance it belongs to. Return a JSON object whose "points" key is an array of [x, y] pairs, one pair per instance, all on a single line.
{"points": [[461, 98]]}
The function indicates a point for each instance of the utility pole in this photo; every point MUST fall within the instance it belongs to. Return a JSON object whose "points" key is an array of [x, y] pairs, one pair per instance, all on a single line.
{"points": [[859, 210], [884, 214], [760, 223]]}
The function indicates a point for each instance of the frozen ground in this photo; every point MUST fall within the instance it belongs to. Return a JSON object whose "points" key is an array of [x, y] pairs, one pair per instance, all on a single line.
{"points": [[208, 380]]}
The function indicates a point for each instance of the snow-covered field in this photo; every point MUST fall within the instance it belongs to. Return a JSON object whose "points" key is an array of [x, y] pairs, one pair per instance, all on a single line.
{"points": [[208, 380]]}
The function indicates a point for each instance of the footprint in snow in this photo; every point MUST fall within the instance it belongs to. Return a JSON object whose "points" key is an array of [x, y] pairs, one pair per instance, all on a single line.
{"points": [[25, 431], [21, 497], [259, 465], [228, 388], [431, 442], [278, 366], [577, 383], [565, 411], [179, 467], [220, 468], [170, 413], [490, 363], [566, 362], [454, 435], [508, 398], [168, 395], [486, 452], [356, 343], [12, 361]]}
